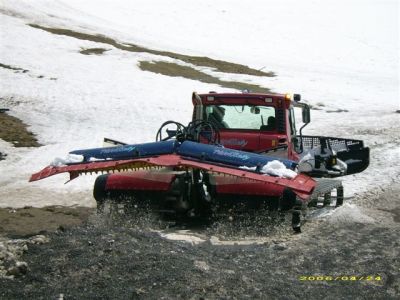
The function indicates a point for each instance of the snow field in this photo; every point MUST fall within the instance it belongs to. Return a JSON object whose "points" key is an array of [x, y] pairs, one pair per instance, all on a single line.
{"points": [[338, 54]]}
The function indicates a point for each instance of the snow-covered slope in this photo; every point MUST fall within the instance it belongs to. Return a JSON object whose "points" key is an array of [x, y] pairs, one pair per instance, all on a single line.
{"points": [[337, 54]]}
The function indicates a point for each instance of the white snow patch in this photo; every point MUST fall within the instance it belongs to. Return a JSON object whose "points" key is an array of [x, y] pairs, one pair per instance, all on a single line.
{"points": [[193, 238], [69, 159], [245, 241], [349, 213], [182, 235]]}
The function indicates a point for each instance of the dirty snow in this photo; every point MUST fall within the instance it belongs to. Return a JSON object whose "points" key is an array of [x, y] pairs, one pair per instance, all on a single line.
{"points": [[182, 235], [349, 213], [340, 55]]}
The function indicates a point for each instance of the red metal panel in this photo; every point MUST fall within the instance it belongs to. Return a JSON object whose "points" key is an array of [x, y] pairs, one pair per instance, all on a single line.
{"points": [[302, 185], [238, 186], [140, 180]]}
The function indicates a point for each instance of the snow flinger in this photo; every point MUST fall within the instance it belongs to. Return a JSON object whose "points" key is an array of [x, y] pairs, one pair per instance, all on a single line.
{"points": [[183, 156]]}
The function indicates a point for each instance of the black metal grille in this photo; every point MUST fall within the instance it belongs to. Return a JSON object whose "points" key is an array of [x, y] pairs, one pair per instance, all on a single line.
{"points": [[325, 186], [337, 144], [280, 114]]}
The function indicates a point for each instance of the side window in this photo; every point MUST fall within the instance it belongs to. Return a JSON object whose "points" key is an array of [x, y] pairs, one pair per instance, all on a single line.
{"points": [[292, 122], [215, 114]]}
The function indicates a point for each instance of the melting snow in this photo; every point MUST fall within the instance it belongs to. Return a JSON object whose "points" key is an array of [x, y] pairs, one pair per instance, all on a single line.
{"points": [[349, 213], [70, 159]]}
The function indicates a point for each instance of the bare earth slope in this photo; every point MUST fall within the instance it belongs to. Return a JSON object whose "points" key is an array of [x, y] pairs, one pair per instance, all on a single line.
{"points": [[107, 260]]}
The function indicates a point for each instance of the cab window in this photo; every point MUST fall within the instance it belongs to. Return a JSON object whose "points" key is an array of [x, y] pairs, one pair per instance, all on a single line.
{"points": [[241, 117]]}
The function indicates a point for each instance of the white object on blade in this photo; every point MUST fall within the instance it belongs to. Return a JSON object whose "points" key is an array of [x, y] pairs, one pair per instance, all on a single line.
{"points": [[70, 159], [94, 159], [248, 168], [275, 168]]}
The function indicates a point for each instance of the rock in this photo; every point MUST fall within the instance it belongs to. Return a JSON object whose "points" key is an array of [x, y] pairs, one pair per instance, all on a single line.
{"points": [[39, 239], [201, 265], [9, 257], [2, 156], [22, 266], [246, 279], [279, 247], [19, 269], [13, 271]]}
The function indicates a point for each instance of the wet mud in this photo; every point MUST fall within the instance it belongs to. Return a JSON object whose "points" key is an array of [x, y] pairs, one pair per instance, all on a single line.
{"points": [[109, 258]]}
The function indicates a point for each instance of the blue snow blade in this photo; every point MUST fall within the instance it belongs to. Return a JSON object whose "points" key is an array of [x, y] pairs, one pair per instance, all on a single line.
{"points": [[128, 151], [203, 152], [228, 156]]}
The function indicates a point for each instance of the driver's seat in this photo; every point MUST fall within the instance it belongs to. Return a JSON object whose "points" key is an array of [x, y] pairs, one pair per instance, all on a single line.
{"points": [[271, 124]]}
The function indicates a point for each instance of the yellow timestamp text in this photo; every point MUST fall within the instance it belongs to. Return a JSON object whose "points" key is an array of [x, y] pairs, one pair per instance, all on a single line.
{"points": [[340, 278]]}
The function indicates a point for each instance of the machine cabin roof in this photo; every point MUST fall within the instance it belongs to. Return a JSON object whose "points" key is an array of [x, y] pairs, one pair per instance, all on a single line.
{"points": [[241, 98]]}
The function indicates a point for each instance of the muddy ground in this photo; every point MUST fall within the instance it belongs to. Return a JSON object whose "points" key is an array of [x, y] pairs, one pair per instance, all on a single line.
{"points": [[352, 254], [15, 131], [170, 68], [30, 221]]}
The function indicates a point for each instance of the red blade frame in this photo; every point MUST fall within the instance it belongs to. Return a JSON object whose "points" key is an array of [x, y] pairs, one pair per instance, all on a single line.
{"points": [[302, 185]]}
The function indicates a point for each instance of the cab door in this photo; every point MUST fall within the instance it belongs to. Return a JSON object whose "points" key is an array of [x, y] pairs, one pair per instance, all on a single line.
{"points": [[240, 139]]}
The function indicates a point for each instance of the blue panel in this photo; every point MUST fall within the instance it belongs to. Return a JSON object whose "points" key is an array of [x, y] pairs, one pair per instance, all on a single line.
{"points": [[128, 151], [203, 152], [228, 156]]}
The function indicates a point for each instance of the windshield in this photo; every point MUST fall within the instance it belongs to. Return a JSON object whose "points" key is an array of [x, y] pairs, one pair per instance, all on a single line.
{"points": [[241, 116]]}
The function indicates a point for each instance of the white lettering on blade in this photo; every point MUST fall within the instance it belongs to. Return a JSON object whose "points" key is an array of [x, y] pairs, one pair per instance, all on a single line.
{"points": [[231, 154]]}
